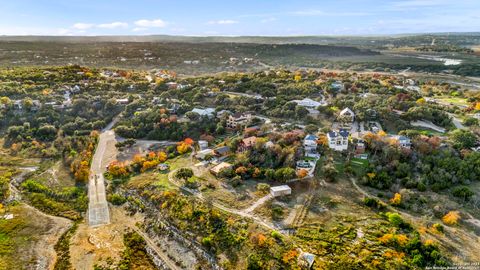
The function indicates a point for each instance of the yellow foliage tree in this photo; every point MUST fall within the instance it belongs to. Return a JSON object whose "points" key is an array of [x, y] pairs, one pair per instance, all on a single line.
{"points": [[297, 77], [477, 106], [162, 156], [451, 218], [397, 199], [182, 148], [421, 101]]}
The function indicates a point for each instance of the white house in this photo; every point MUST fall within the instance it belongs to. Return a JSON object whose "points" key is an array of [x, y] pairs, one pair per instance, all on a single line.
{"points": [[122, 101], [310, 141], [280, 190], [204, 153], [403, 141], [209, 112], [203, 144], [238, 119], [308, 103], [347, 114], [338, 140]]}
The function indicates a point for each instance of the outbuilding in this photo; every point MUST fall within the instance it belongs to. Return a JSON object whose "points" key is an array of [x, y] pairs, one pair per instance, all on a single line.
{"points": [[280, 190]]}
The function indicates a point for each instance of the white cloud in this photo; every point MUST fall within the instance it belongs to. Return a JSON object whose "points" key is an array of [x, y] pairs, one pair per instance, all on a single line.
{"points": [[113, 25], [83, 26], [223, 22], [151, 23], [316, 12], [139, 29], [267, 20]]}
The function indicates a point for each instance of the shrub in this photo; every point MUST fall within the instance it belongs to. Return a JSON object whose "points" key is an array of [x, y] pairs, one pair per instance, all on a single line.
{"points": [[451, 218], [116, 199]]}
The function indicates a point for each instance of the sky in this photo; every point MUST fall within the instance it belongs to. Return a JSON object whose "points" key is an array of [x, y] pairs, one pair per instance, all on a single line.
{"points": [[237, 18]]}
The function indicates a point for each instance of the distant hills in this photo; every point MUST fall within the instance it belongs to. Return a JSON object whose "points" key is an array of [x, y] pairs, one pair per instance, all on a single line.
{"points": [[459, 39]]}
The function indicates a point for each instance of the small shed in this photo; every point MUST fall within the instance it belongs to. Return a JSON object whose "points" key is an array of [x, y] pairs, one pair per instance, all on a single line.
{"points": [[222, 166], [204, 153], [280, 190], [203, 144]]}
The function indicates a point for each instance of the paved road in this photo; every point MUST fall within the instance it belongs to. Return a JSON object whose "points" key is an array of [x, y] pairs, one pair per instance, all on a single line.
{"points": [[98, 213]]}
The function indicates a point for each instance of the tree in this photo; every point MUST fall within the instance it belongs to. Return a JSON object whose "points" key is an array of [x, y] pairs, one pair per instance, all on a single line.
{"points": [[302, 173], [182, 148], [463, 192], [311, 128], [462, 139], [451, 218], [184, 173], [396, 200], [162, 156]]}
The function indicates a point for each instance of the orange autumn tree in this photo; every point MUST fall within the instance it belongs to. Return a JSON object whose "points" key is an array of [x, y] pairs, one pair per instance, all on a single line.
{"points": [[188, 141], [117, 169], [182, 148], [302, 173]]}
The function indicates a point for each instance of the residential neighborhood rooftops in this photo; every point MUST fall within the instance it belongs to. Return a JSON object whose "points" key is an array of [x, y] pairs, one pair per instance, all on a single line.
{"points": [[222, 166], [204, 112], [311, 137], [307, 102], [342, 132], [222, 150]]}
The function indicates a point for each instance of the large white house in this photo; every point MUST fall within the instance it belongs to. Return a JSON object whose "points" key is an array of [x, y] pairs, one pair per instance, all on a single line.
{"points": [[209, 112], [308, 103], [338, 140], [238, 119]]}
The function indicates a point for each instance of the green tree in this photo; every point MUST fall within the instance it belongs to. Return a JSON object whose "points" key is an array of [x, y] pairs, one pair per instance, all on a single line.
{"points": [[184, 173]]}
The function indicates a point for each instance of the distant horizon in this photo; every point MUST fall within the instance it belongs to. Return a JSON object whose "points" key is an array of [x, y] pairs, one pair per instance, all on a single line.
{"points": [[239, 36]]}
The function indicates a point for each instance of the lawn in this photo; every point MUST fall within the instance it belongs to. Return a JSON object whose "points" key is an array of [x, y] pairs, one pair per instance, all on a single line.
{"points": [[458, 101], [359, 165]]}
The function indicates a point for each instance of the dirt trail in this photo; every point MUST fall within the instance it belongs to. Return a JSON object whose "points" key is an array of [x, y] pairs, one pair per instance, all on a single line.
{"points": [[43, 232]]}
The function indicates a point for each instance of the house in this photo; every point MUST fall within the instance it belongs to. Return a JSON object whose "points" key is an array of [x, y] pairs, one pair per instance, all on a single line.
{"points": [[347, 114], [306, 259], [338, 140], [220, 167], [163, 166], [403, 141], [209, 112], [337, 86], [221, 113], [251, 131], [238, 119], [222, 151], [360, 147], [18, 104], [204, 153], [308, 103], [203, 144], [122, 101], [310, 146], [280, 191], [172, 85], [247, 143]]}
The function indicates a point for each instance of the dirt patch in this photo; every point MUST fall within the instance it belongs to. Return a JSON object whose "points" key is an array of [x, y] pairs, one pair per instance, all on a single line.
{"points": [[90, 246], [32, 235]]}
